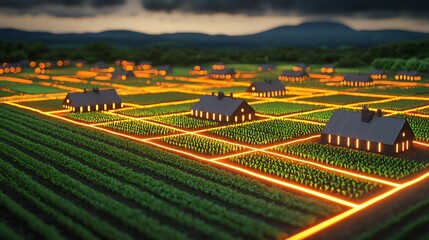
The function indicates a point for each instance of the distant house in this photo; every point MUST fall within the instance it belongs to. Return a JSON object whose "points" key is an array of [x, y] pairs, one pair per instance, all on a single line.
{"points": [[268, 88], [198, 71], [378, 74], [227, 73], [408, 75], [94, 100], [327, 68], [357, 80], [299, 67], [221, 108], [120, 74], [80, 63], [219, 66], [164, 70], [101, 66], [12, 67], [290, 75], [144, 65], [368, 131], [267, 67]]}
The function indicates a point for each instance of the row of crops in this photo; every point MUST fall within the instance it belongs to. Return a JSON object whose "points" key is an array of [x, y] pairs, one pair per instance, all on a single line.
{"points": [[201, 144], [401, 104], [307, 175], [139, 128], [322, 116], [154, 111], [423, 111], [185, 121], [267, 132], [281, 108], [85, 163], [365, 162], [341, 99], [94, 117]]}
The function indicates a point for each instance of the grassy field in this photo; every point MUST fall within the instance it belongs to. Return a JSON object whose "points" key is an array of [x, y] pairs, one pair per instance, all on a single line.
{"points": [[151, 98], [30, 88], [63, 181], [341, 99], [45, 105]]}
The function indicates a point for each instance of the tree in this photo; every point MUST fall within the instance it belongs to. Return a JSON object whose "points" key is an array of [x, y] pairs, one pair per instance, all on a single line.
{"points": [[412, 64], [399, 65]]}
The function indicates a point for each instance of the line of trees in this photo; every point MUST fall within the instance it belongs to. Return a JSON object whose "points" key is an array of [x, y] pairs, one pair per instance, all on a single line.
{"points": [[391, 56]]}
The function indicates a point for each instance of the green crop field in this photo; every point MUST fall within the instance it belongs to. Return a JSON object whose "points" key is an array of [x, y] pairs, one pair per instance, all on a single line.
{"points": [[64, 181], [154, 111], [322, 116], [185, 121], [46, 105], [341, 99], [281, 108], [399, 104], [94, 117], [151, 98]]}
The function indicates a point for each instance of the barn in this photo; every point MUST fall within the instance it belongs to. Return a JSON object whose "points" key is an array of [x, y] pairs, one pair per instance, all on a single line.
{"points": [[144, 65], [357, 80], [290, 75], [101, 66], [219, 66], [267, 67], [120, 74], [94, 100], [300, 67], [368, 131], [408, 75], [270, 88], [198, 70], [378, 74], [227, 73], [164, 70], [327, 68], [222, 108]]}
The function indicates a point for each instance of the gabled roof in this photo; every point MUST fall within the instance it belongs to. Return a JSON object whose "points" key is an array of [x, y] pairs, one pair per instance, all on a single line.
{"points": [[91, 98], [267, 86], [409, 73], [291, 73], [223, 71], [377, 71], [219, 105], [380, 129], [357, 77]]}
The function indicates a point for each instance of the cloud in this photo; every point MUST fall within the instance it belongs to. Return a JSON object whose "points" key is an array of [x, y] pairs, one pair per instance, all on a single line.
{"points": [[371, 9]]}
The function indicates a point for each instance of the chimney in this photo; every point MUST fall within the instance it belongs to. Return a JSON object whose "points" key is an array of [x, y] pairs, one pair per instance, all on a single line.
{"points": [[231, 95], [220, 95], [379, 113], [84, 90], [366, 115], [213, 94], [93, 89]]}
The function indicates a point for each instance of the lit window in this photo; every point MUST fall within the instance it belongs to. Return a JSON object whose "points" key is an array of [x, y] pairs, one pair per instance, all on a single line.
{"points": [[379, 147], [113, 105], [220, 118], [338, 140], [367, 145], [348, 142], [236, 119], [253, 88], [407, 145], [207, 115], [81, 109], [357, 143], [397, 148], [68, 100], [403, 146], [96, 107], [403, 134], [214, 116], [329, 138], [242, 110], [192, 111], [242, 118], [250, 116], [89, 108], [227, 118], [105, 107]]}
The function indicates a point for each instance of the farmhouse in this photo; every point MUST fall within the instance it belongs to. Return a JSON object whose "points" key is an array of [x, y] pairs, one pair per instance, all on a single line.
{"points": [[227, 73], [94, 100], [80, 63], [357, 80], [408, 75], [164, 70], [300, 67], [378, 74], [120, 74], [266, 88], [327, 68], [144, 65], [267, 67], [223, 108], [101, 66], [198, 71], [290, 75], [368, 131]]}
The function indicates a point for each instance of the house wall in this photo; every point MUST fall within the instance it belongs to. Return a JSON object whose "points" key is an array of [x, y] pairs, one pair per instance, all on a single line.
{"points": [[268, 94], [248, 114], [101, 107]]}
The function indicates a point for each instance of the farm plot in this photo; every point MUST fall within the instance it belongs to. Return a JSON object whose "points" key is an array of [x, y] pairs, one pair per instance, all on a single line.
{"points": [[419, 125], [94, 117], [201, 144], [150, 98], [341, 99], [307, 175], [267, 132], [149, 198], [369, 163], [423, 111], [46, 105], [185, 121], [139, 128], [154, 111], [322, 116], [401, 104], [281, 108]]}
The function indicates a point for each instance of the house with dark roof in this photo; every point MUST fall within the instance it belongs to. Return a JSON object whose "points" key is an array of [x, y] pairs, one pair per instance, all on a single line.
{"points": [[164, 70], [95, 100], [357, 80], [144, 65], [290, 75], [300, 67], [222, 108], [267, 67], [227, 73], [377, 74], [327, 68], [270, 88], [408, 75], [369, 131], [198, 70], [101, 66], [121, 74]]}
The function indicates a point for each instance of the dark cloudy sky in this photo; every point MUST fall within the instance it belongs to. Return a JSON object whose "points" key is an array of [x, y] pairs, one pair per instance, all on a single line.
{"points": [[209, 16]]}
